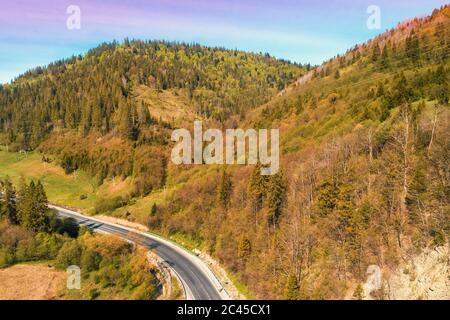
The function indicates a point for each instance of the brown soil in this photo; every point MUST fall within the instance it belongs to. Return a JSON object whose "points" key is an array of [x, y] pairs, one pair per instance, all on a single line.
{"points": [[30, 282]]}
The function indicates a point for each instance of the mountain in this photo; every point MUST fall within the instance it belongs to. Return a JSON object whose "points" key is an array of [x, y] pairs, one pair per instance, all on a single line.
{"points": [[364, 174], [111, 111], [104, 90]]}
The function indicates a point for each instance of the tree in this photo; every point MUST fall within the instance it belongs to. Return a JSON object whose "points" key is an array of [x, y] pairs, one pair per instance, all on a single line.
{"points": [[153, 210], [8, 205], [276, 196], [70, 227], [375, 53], [412, 47], [384, 61], [359, 292], [33, 208], [292, 289], [299, 105], [337, 75], [69, 254], [257, 187], [245, 248], [225, 190]]}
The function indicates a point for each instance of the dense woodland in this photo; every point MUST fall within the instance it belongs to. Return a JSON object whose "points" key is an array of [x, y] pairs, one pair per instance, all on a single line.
{"points": [[94, 93], [71, 103], [365, 151]]}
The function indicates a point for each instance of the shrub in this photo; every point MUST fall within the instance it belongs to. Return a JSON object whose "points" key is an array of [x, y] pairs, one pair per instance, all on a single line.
{"points": [[90, 260], [70, 254], [110, 204], [26, 250], [70, 227], [6, 257]]}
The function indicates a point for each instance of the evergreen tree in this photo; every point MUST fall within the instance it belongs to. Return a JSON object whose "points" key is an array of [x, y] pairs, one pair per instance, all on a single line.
{"points": [[8, 205], [384, 61], [225, 190], [375, 53], [299, 105], [245, 248], [276, 196], [154, 210], [258, 187], [412, 47], [359, 292], [292, 288], [337, 75], [33, 209]]}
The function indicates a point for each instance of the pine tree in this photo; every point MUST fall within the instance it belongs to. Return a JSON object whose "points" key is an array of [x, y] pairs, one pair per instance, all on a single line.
{"points": [[384, 61], [8, 205], [245, 248], [292, 288], [225, 190], [359, 293], [337, 75], [412, 47], [23, 202], [153, 210], [258, 187], [33, 209], [375, 53], [299, 105], [275, 198]]}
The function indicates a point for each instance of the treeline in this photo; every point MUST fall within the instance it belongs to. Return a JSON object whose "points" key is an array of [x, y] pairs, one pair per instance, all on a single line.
{"points": [[94, 93]]}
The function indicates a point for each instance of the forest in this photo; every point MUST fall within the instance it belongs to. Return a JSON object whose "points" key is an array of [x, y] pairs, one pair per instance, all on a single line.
{"points": [[364, 176]]}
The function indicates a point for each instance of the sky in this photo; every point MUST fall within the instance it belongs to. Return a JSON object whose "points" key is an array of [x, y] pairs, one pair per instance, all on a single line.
{"points": [[35, 32]]}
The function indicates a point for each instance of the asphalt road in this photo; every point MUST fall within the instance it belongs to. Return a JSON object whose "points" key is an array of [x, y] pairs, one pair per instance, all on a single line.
{"points": [[198, 280]]}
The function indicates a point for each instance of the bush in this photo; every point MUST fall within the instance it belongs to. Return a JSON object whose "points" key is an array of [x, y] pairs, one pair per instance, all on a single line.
{"points": [[26, 250], [70, 227], [6, 257], [49, 245], [90, 260], [70, 254], [93, 294], [110, 204]]}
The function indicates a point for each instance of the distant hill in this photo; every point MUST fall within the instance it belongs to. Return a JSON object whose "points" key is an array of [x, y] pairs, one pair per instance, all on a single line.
{"points": [[98, 91]]}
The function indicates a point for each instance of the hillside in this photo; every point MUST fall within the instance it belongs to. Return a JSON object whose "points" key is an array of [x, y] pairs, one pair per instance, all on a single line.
{"points": [[111, 111], [364, 164]]}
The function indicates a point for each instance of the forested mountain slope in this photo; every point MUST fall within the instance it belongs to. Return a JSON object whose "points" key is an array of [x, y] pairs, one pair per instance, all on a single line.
{"points": [[111, 111], [365, 178], [97, 92], [364, 163]]}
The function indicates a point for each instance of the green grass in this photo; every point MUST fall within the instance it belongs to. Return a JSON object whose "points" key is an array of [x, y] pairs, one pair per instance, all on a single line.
{"points": [[61, 188]]}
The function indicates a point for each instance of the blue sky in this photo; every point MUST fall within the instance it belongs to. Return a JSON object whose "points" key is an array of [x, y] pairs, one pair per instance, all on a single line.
{"points": [[34, 33]]}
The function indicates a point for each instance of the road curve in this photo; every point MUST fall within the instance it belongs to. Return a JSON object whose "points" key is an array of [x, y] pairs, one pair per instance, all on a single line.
{"points": [[198, 280]]}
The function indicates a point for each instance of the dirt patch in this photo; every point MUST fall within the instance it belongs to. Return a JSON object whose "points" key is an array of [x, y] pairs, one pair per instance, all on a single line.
{"points": [[117, 185], [30, 282]]}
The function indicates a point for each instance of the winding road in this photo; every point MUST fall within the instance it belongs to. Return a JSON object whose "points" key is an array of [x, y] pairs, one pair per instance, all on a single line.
{"points": [[198, 280]]}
